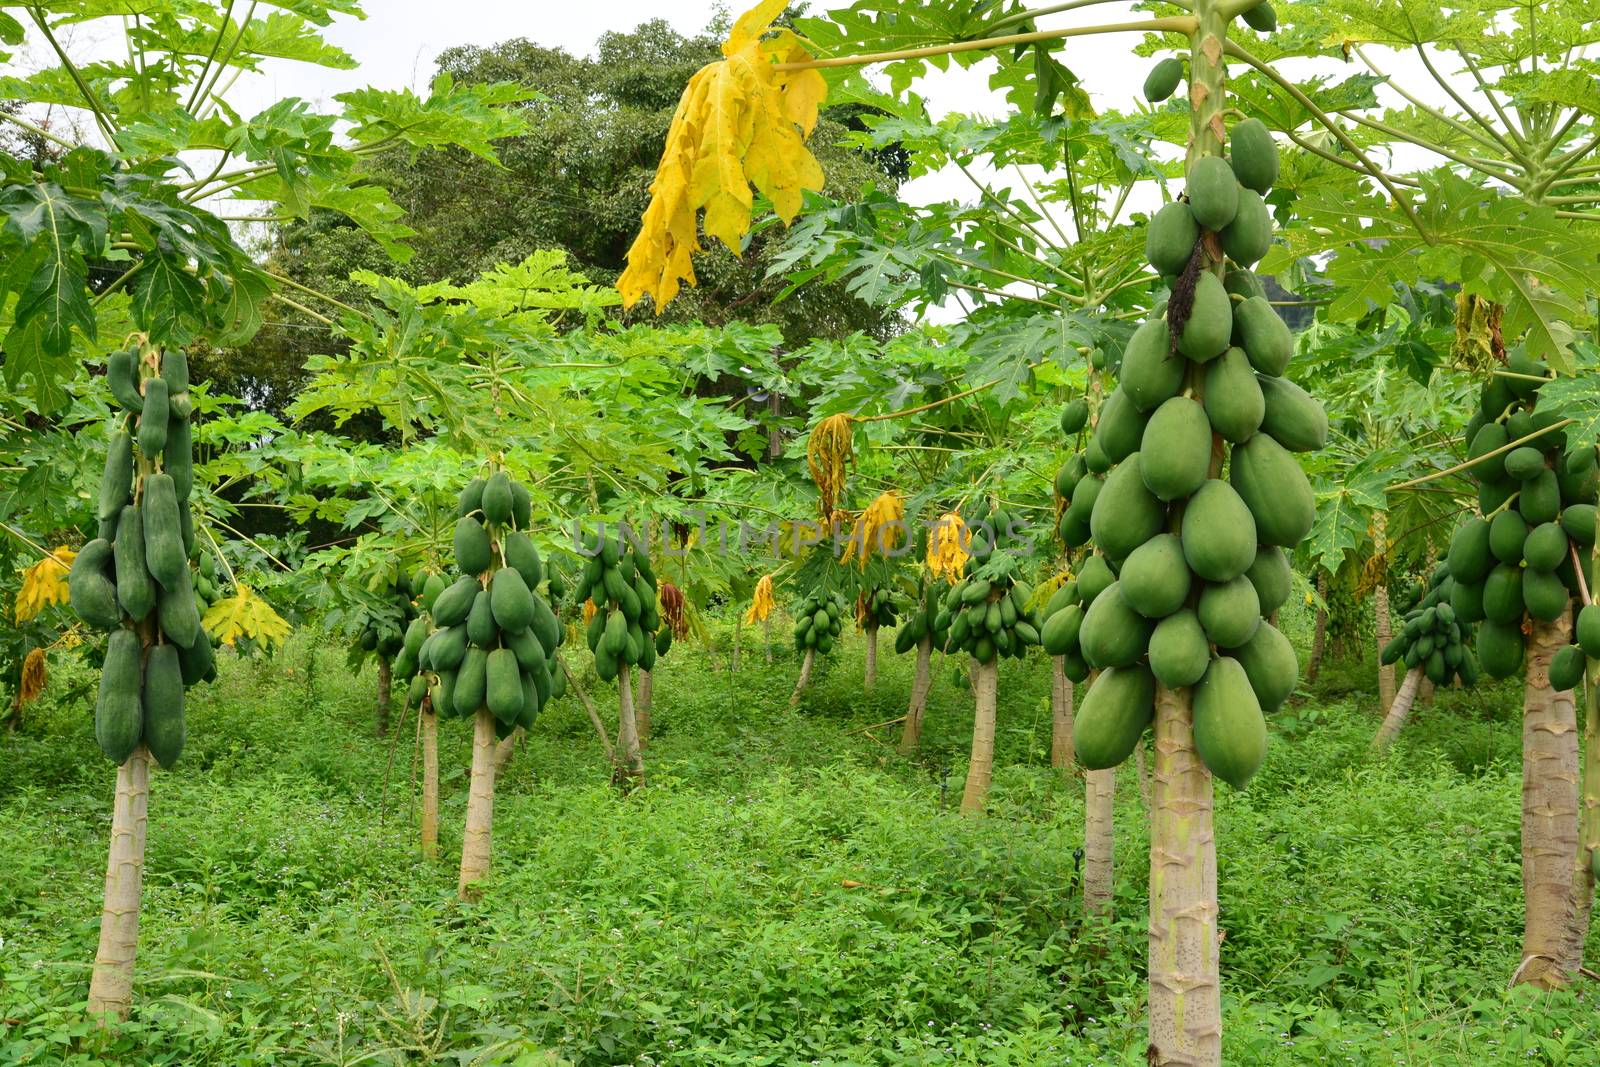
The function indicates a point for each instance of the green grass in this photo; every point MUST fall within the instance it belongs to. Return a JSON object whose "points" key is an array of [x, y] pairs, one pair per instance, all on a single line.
{"points": [[786, 890]]}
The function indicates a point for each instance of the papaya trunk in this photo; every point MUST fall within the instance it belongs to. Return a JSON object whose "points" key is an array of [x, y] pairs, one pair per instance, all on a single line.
{"points": [[111, 985], [477, 835], [647, 698], [980, 769], [628, 729], [872, 657], [1062, 755], [1099, 841], [1185, 984], [1549, 812], [430, 779], [385, 687], [1425, 693], [1588, 865], [1319, 636], [505, 748], [1380, 607], [805, 676], [1399, 708], [911, 732]]}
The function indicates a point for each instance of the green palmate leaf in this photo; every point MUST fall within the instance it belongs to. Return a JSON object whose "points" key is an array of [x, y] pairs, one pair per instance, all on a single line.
{"points": [[168, 301], [1494, 245], [468, 116], [1398, 23], [1576, 86], [1264, 99], [1344, 512]]}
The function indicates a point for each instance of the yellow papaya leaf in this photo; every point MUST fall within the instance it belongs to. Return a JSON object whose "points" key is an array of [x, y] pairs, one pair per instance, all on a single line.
{"points": [[879, 527], [762, 603], [44, 584], [245, 615], [740, 122], [947, 553], [828, 450]]}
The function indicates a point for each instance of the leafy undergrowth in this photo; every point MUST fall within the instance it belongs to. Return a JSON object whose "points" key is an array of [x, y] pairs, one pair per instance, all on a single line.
{"points": [[786, 890]]}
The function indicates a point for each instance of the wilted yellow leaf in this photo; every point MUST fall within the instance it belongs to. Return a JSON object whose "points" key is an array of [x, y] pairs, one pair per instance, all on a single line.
{"points": [[740, 122], [44, 584], [762, 603], [33, 677], [879, 527], [245, 615], [947, 554]]}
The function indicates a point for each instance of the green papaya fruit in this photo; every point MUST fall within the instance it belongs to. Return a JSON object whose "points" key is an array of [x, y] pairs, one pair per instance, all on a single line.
{"points": [[451, 606], [1175, 453], [122, 375], [1270, 664], [1294, 418], [1075, 416], [1094, 578], [1248, 237], [1269, 480], [1162, 81], [511, 600], [1271, 575], [432, 586], [471, 498], [163, 541], [1179, 652], [175, 371], [1470, 557], [1546, 547], [1121, 427], [1541, 498], [1151, 372], [1263, 335], [1508, 533], [1117, 710], [1113, 634], [91, 586], [1230, 733], [1466, 600], [1155, 579], [1544, 594], [1233, 400], [1253, 154], [471, 682], [1229, 612], [1243, 284], [177, 459], [1261, 18], [198, 662], [481, 629], [177, 612], [472, 548], [1205, 336], [1566, 669], [1126, 514], [546, 627], [118, 709], [163, 705], [496, 503], [1524, 463], [1213, 192], [521, 507], [153, 419], [1170, 238], [116, 482], [1218, 533], [503, 684], [1588, 630], [1500, 648], [1062, 631], [1502, 596], [136, 591]]}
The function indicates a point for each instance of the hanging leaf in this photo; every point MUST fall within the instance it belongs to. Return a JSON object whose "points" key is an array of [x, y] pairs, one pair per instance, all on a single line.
{"points": [[44, 584], [740, 123], [34, 677], [245, 615]]}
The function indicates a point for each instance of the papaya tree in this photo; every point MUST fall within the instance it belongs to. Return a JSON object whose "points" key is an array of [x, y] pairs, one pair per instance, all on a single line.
{"points": [[623, 630], [1434, 642]]}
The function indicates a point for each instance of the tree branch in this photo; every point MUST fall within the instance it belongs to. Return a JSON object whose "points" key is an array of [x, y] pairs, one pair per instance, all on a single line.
{"points": [[1184, 24]]}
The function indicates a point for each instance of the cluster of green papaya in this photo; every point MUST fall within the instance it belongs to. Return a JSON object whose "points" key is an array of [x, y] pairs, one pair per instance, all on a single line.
{"points": [[626, 627], [494, 638], [987, 613], [1432, 636], [1537, 500], [818, 620], [919, 623], [207, 587], [387, 640], [878, 608], [1188, 564], [134, 579]]}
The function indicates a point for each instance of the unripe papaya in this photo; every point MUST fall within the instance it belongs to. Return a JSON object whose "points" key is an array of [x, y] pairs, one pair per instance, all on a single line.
{"points": [[122, 375], [1261, 18], [1544, 594], [481, 629], [153, 418], [1269, 480], [1546, 547], [1076, 414], [1094, 578], [503, 685], [1151, 372], [1254, 155], [472, 548], [1233, 401], [432, 586], [546, 627], [118, 710], [1541, 498], [136, 591], [1121, 427], [1502, 598], [163, 705], [1230, 612], [1248, 237], [1062, 631], [497, 501], [1524, 463], [472, 682], [1126, 514], [1162, 81], [91, 587], [511, 600], [1508, 533], [1175, 452], [116, 482], [1119, 707], [1230, 733], [1466, 600], [1219, 533], [1270, 664], [1179, 652], [163, 541], [1469, 557], [1243, 284], [1272, 577], [1213, 192], [1588, 630], [1294, 418], [1155, 580], [1500, 648], [1170, 238], [178, 458], [1205, 336], [178, 614], [471, 498], [1113, 634], [521, 506], [1263, 335], [452, 605], [198, 662]]}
